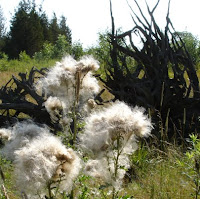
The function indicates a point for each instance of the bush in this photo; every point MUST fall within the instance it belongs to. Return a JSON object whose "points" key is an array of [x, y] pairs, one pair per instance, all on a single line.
{"points": [[24, 57], [3, 62]]}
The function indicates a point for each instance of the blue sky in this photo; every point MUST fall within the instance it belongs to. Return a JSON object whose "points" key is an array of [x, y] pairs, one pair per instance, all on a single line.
{"points": [[88, 17]]}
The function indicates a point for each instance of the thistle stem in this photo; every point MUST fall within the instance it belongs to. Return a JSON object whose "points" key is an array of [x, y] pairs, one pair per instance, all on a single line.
{"points": [[75, 123], [49, 190]]}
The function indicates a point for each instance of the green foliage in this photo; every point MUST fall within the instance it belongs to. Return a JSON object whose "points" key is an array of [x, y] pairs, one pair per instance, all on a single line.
{"points": [[10, 67], [3, 62], [77, 50], [24, 57], [61, 47], [191, 162], [192, 44], [140, 159], [102, 51], [46, 53], [6, 179], [57, 51], [85, 189]]}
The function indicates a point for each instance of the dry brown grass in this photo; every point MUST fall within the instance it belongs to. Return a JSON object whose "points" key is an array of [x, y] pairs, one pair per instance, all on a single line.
{"points": [[5, 76]]}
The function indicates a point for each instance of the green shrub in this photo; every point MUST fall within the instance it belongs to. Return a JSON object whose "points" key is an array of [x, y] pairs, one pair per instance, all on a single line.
{"points": [[191, 163], [3, 62], [24, 57], [61, 47]]}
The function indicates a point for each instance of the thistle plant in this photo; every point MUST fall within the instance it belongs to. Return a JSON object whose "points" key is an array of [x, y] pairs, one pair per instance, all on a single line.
{"points": [[43, 166], [70, 88], [109, 137]]}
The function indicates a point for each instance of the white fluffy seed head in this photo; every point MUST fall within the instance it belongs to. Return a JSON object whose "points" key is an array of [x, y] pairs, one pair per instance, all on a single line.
{"points": [[52, 104], [98, 168], [46, 160], [87, 63], [54, 107], [104, 127], [40, 158], [69, 64], [5, 134], [103, 169], [21, 134], [69, 78]]}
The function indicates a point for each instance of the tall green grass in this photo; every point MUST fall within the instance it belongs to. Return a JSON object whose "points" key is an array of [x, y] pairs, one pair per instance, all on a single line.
{"points": [[23, 66], [13, 67]]}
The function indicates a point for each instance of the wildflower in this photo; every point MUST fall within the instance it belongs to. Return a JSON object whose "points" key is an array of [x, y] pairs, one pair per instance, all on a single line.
{"points": [[89, 106], [88, 63], [103, 169], [98, 168]]}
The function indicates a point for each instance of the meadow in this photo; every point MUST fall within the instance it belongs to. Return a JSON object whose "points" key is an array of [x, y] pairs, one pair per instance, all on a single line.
{"points": [[170, 173]]}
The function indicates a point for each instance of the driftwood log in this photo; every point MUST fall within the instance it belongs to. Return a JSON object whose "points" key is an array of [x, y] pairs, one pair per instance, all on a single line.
{"points": [[164, 80]]}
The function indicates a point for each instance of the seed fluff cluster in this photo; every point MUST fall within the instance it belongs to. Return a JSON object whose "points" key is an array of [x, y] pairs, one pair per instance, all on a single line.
{"points": [[40, 159], [69, 81]]}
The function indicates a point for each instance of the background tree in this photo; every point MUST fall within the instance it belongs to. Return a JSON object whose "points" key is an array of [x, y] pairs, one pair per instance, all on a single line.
{"points": [[61, 47], [26, 32], [192, 44], [77, 50], [30, 29], [102, 50], [2, 28], [65, 30], [45, 26], [54, 29]]}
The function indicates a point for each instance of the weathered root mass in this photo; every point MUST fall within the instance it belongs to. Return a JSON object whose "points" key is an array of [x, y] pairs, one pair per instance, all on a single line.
{"points": [[164, 79]]}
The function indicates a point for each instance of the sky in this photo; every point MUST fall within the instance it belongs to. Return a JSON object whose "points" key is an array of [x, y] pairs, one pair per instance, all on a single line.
{"points": [[87, 18]]}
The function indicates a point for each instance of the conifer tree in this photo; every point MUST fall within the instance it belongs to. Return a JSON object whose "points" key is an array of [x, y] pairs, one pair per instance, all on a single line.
{"points": [[2, 28], [26, 32], [65, 30], [54, 29], [30, 29]]}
